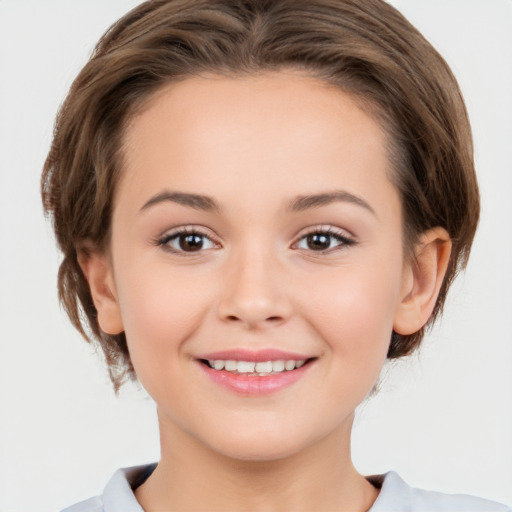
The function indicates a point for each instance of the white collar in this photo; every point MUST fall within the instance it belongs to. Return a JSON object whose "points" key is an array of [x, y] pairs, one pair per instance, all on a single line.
{"points": [[395, 496]]}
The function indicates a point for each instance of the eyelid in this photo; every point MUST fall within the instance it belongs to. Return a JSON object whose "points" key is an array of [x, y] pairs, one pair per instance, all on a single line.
{"points": [[163, 239], [346, 238]]}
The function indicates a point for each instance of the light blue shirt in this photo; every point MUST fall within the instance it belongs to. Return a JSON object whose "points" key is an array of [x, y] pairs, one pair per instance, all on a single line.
{"points": [[395, 496]]}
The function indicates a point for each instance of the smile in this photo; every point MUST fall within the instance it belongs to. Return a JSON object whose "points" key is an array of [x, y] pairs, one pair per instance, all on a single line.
{"points": [[255, 368], [259, 373]]}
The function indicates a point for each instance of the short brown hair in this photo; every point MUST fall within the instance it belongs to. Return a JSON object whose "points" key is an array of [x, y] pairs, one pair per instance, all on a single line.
{"points": [[365, 47]]}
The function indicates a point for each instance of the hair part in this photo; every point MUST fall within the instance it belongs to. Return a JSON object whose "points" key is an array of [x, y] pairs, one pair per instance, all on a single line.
{"points": [[364, 47]]}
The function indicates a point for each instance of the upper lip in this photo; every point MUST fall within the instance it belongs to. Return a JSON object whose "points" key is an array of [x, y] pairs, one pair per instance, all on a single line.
{"points": [[253, 355]]}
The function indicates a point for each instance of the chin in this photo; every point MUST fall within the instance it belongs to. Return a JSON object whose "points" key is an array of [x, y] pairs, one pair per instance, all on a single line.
{"points": [[260, 445], [258, 452]]}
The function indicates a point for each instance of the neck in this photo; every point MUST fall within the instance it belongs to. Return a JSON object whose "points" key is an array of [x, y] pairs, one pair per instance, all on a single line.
{"points": [[191, 476]]}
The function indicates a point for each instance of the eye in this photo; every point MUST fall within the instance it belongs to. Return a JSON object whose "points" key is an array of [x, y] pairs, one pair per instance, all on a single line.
{"points": [[186, 241], [323, 240]]}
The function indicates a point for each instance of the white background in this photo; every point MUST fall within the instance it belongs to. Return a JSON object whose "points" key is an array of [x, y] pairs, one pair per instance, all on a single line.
{"points": [[443, 419]]}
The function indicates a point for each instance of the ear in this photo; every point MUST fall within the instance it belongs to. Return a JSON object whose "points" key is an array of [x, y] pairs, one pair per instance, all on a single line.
{"points": [[422, 280], [97, 269]]}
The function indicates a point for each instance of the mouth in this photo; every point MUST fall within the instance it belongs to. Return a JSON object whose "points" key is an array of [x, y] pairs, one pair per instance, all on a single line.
{"points": [[255, 368], [255, 374]]}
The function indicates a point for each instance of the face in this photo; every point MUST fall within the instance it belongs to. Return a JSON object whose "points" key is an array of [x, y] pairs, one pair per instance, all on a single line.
{"points": [[255, 228]]}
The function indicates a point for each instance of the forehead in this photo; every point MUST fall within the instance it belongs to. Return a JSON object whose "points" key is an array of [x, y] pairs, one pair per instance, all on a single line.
{"points": [[274, 134]]}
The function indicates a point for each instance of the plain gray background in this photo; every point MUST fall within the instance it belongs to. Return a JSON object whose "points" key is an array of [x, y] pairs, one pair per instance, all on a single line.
{"points": [[443, 419]]}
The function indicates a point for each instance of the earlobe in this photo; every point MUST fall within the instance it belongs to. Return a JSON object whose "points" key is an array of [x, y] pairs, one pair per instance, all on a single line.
{"points": [[422, 280], [97, 270]]}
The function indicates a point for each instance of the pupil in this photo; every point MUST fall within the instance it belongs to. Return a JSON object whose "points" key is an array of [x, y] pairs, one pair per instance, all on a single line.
{"points": [[191, 242], [318, 241]]}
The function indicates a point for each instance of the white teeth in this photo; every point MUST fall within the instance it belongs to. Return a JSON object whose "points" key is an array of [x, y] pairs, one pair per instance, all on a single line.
{"points": [[245, 366], [289, 365], [218, 365], [231, 366], [277, 366], [264, 367], [261, 368]]}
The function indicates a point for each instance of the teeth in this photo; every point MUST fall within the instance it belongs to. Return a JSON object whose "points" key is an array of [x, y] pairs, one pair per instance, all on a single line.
{"points": [[289, 365], [261, 368], [277, 366], [245, 367], [264, 367]]}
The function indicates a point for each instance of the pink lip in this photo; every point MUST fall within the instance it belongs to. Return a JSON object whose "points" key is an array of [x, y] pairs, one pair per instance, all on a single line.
{"points": [[254, 385], [253, 355]]}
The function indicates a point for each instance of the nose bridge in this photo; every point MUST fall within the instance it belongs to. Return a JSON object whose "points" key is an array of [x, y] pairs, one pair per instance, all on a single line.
{"points": [[253, 294]]}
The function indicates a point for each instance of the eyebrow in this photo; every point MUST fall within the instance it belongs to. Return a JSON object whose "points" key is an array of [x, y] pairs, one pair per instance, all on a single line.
{"points": [[196, 201], [298, 204], [307, 202]]}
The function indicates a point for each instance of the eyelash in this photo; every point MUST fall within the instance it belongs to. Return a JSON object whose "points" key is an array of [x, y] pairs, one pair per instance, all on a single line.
{"points": [[164, 240], [329, 232]]}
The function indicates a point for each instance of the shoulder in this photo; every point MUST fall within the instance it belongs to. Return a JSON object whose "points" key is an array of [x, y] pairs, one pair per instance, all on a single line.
{"points": [[118, 494], [397, 496]]}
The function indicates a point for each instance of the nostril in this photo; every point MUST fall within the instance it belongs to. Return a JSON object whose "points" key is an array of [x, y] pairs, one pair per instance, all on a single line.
{"points": [[272, 319]]}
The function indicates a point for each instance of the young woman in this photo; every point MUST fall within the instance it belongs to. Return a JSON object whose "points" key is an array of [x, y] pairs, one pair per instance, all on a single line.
{"points": [[259, 202]]}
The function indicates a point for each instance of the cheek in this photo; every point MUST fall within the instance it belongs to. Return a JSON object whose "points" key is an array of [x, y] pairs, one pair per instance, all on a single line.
{"points": [[160, 312], [353, 310]]}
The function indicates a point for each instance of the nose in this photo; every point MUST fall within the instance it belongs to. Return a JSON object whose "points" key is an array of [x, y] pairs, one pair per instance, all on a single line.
{"points": [[254, 292]]}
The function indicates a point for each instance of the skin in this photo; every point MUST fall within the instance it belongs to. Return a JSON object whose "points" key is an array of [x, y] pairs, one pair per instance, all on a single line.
{"points": [[254, 145]]}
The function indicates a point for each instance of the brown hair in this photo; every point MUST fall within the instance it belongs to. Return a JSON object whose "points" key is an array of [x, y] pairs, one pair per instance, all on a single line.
{"points": [[365, 47]]}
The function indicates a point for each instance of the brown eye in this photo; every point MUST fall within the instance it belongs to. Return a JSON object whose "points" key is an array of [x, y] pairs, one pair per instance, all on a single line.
{"points": [[186, 242], [322, 241], [191, 243], [318, 241]]}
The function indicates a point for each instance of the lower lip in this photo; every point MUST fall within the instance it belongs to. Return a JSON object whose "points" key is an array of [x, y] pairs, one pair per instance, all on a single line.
{"points": [[255, 385]]}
